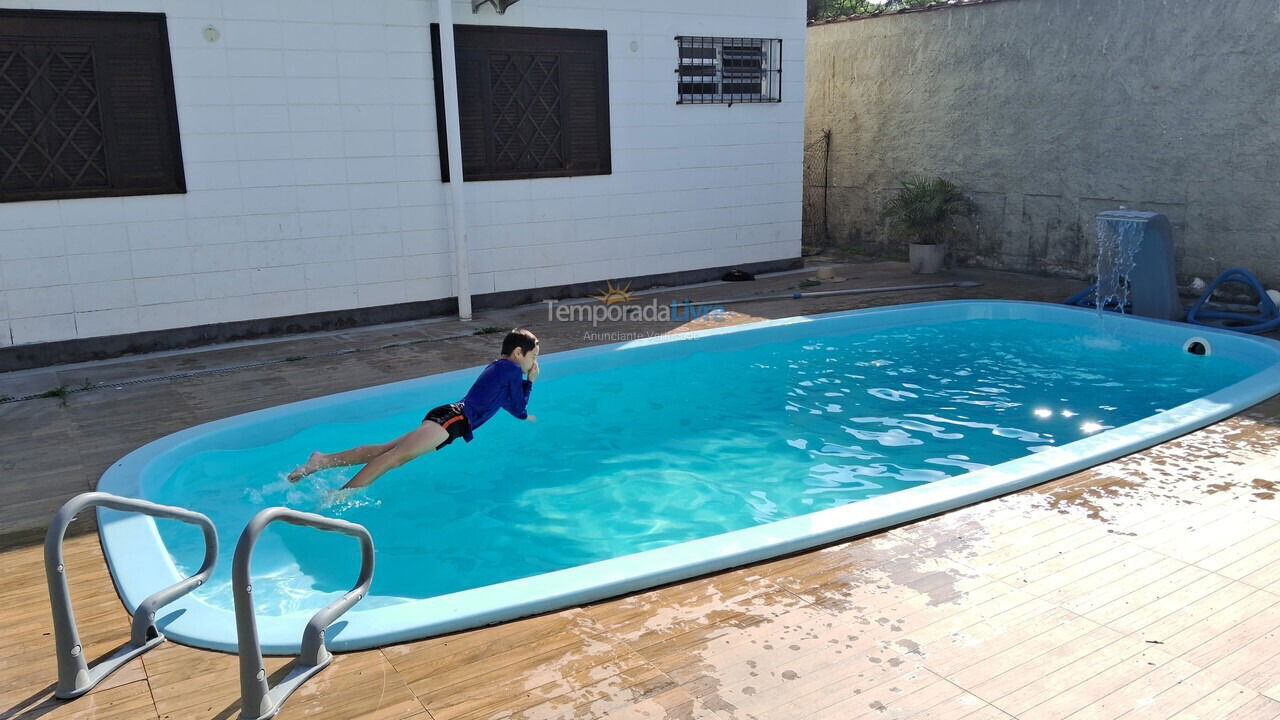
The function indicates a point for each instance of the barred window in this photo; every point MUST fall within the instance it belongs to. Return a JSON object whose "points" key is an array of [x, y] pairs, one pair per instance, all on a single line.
{"points": [[729, 70], [86, 106], [532, 102]]}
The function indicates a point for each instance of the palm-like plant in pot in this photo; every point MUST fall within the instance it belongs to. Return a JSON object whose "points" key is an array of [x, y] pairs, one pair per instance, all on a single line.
{"points": [[925, 211]]}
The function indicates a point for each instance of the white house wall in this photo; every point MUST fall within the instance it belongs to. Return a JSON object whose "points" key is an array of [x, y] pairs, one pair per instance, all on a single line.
{"points": [[310, 151]]}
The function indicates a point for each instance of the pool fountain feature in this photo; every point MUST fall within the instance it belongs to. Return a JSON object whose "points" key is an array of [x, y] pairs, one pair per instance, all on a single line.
{"points": [[1118, 242], [1134, 267]]}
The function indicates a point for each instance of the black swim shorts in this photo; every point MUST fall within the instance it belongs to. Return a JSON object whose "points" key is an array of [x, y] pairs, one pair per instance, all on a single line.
{"points": [[451, 418]]}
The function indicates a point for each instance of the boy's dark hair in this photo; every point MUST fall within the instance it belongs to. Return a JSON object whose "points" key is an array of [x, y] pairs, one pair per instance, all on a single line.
{"points": [[518, 338]]}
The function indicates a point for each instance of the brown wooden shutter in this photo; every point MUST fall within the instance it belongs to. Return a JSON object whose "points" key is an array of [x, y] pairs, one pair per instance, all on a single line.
{"points": [[473, 113], [587, 94], [137, 91], [79, 140], [86, 106], [534, 102]]}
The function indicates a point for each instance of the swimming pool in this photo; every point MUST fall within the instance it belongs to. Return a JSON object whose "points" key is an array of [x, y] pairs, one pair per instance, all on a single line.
{"points": [[667, 458]]}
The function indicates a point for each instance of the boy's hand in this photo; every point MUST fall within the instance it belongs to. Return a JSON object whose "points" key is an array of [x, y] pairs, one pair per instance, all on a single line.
{"points": [[531, 418], [533, 371]]}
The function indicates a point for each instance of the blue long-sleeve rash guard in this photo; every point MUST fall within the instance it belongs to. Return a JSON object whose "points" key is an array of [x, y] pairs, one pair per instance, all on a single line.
{"points": [[500, 385]]}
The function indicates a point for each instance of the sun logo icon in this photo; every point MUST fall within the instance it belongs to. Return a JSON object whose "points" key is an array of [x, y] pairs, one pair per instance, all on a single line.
{"points": [[613, 295]]}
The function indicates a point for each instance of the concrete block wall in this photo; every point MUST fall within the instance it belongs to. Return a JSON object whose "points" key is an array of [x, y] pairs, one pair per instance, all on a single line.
{"points": [[309, 143], [1050, 111]]}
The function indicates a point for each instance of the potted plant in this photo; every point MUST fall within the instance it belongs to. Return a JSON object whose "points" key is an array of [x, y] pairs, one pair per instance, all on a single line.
{"points": [[925, 211]]}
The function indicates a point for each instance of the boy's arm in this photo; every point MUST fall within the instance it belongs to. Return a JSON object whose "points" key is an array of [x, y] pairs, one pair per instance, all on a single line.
{"points": [[518, 396]]}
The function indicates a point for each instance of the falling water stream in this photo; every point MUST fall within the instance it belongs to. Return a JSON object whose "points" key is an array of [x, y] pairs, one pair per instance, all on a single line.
{"points": [[1118, 243]]}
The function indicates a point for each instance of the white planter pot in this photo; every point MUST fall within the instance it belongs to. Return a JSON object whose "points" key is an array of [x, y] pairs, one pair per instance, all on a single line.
{"points": [[926, 259]]}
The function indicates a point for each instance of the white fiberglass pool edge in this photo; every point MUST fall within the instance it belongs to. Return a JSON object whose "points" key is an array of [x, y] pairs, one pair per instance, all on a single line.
{"points": [[140, 563]]}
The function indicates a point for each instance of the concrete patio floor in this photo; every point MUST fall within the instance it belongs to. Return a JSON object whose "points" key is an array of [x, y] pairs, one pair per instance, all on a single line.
{"points": [[1148, 587]]}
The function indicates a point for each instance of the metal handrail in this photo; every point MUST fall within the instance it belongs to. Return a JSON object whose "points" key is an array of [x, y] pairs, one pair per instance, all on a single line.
{"points": [[258, 701], [75, 677]]}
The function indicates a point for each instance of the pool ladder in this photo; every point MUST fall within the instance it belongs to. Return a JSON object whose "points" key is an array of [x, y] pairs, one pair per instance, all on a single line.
{"points": [[258, 701]]}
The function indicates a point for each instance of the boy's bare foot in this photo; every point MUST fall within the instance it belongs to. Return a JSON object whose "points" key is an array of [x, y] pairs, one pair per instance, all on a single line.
{"points": [[314, 464]]}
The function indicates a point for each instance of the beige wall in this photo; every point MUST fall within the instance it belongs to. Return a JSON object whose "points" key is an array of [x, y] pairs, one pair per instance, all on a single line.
{"points": [[1050, 111]]}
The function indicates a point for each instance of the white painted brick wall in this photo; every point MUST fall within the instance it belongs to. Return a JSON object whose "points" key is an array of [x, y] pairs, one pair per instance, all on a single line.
{"points": [[310, 151]]}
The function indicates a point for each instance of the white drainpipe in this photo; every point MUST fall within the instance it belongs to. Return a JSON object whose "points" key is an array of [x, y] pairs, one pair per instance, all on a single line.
{"points": [[453, 130]]}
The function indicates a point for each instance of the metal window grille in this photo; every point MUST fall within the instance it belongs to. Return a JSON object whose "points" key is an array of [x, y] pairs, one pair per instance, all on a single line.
{"points": [[729, 70]]}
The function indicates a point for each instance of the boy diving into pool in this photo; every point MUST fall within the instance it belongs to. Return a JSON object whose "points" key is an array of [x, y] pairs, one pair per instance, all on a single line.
{"points": [[499, 386]]}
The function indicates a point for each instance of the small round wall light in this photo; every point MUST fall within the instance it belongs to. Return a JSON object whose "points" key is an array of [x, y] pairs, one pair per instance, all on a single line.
{"points": [[634, 46], [211, 33]]}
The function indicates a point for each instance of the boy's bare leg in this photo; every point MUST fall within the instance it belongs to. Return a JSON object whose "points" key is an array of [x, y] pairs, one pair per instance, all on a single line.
{"points": [[419, 442], [355, 456]]}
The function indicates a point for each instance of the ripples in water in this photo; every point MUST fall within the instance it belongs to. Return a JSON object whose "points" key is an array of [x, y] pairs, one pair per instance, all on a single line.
{"points": [[639, 457]]}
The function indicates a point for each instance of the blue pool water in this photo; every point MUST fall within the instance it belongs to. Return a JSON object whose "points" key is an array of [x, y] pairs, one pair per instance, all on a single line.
{"points": [[686, 444]]}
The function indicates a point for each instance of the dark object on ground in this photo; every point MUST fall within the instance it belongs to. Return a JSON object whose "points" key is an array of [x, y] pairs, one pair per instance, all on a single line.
{"points": [[1264, 318], [736, 275]]}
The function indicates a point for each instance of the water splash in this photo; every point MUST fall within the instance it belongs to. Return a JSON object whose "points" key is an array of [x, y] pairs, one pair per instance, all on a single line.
{"points": [[1118, 243]]}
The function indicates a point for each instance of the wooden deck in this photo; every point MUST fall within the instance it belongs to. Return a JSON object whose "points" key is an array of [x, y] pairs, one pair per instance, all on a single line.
{"points": [[1148, 587]]}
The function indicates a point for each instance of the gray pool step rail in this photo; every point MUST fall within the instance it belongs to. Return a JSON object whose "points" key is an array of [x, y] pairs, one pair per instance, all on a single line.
{"points": [[75, 677], [258, 701]]}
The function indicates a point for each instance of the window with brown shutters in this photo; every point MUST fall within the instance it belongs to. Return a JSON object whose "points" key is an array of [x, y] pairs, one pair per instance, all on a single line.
{"points": [[86, 106], [532, 102]]}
